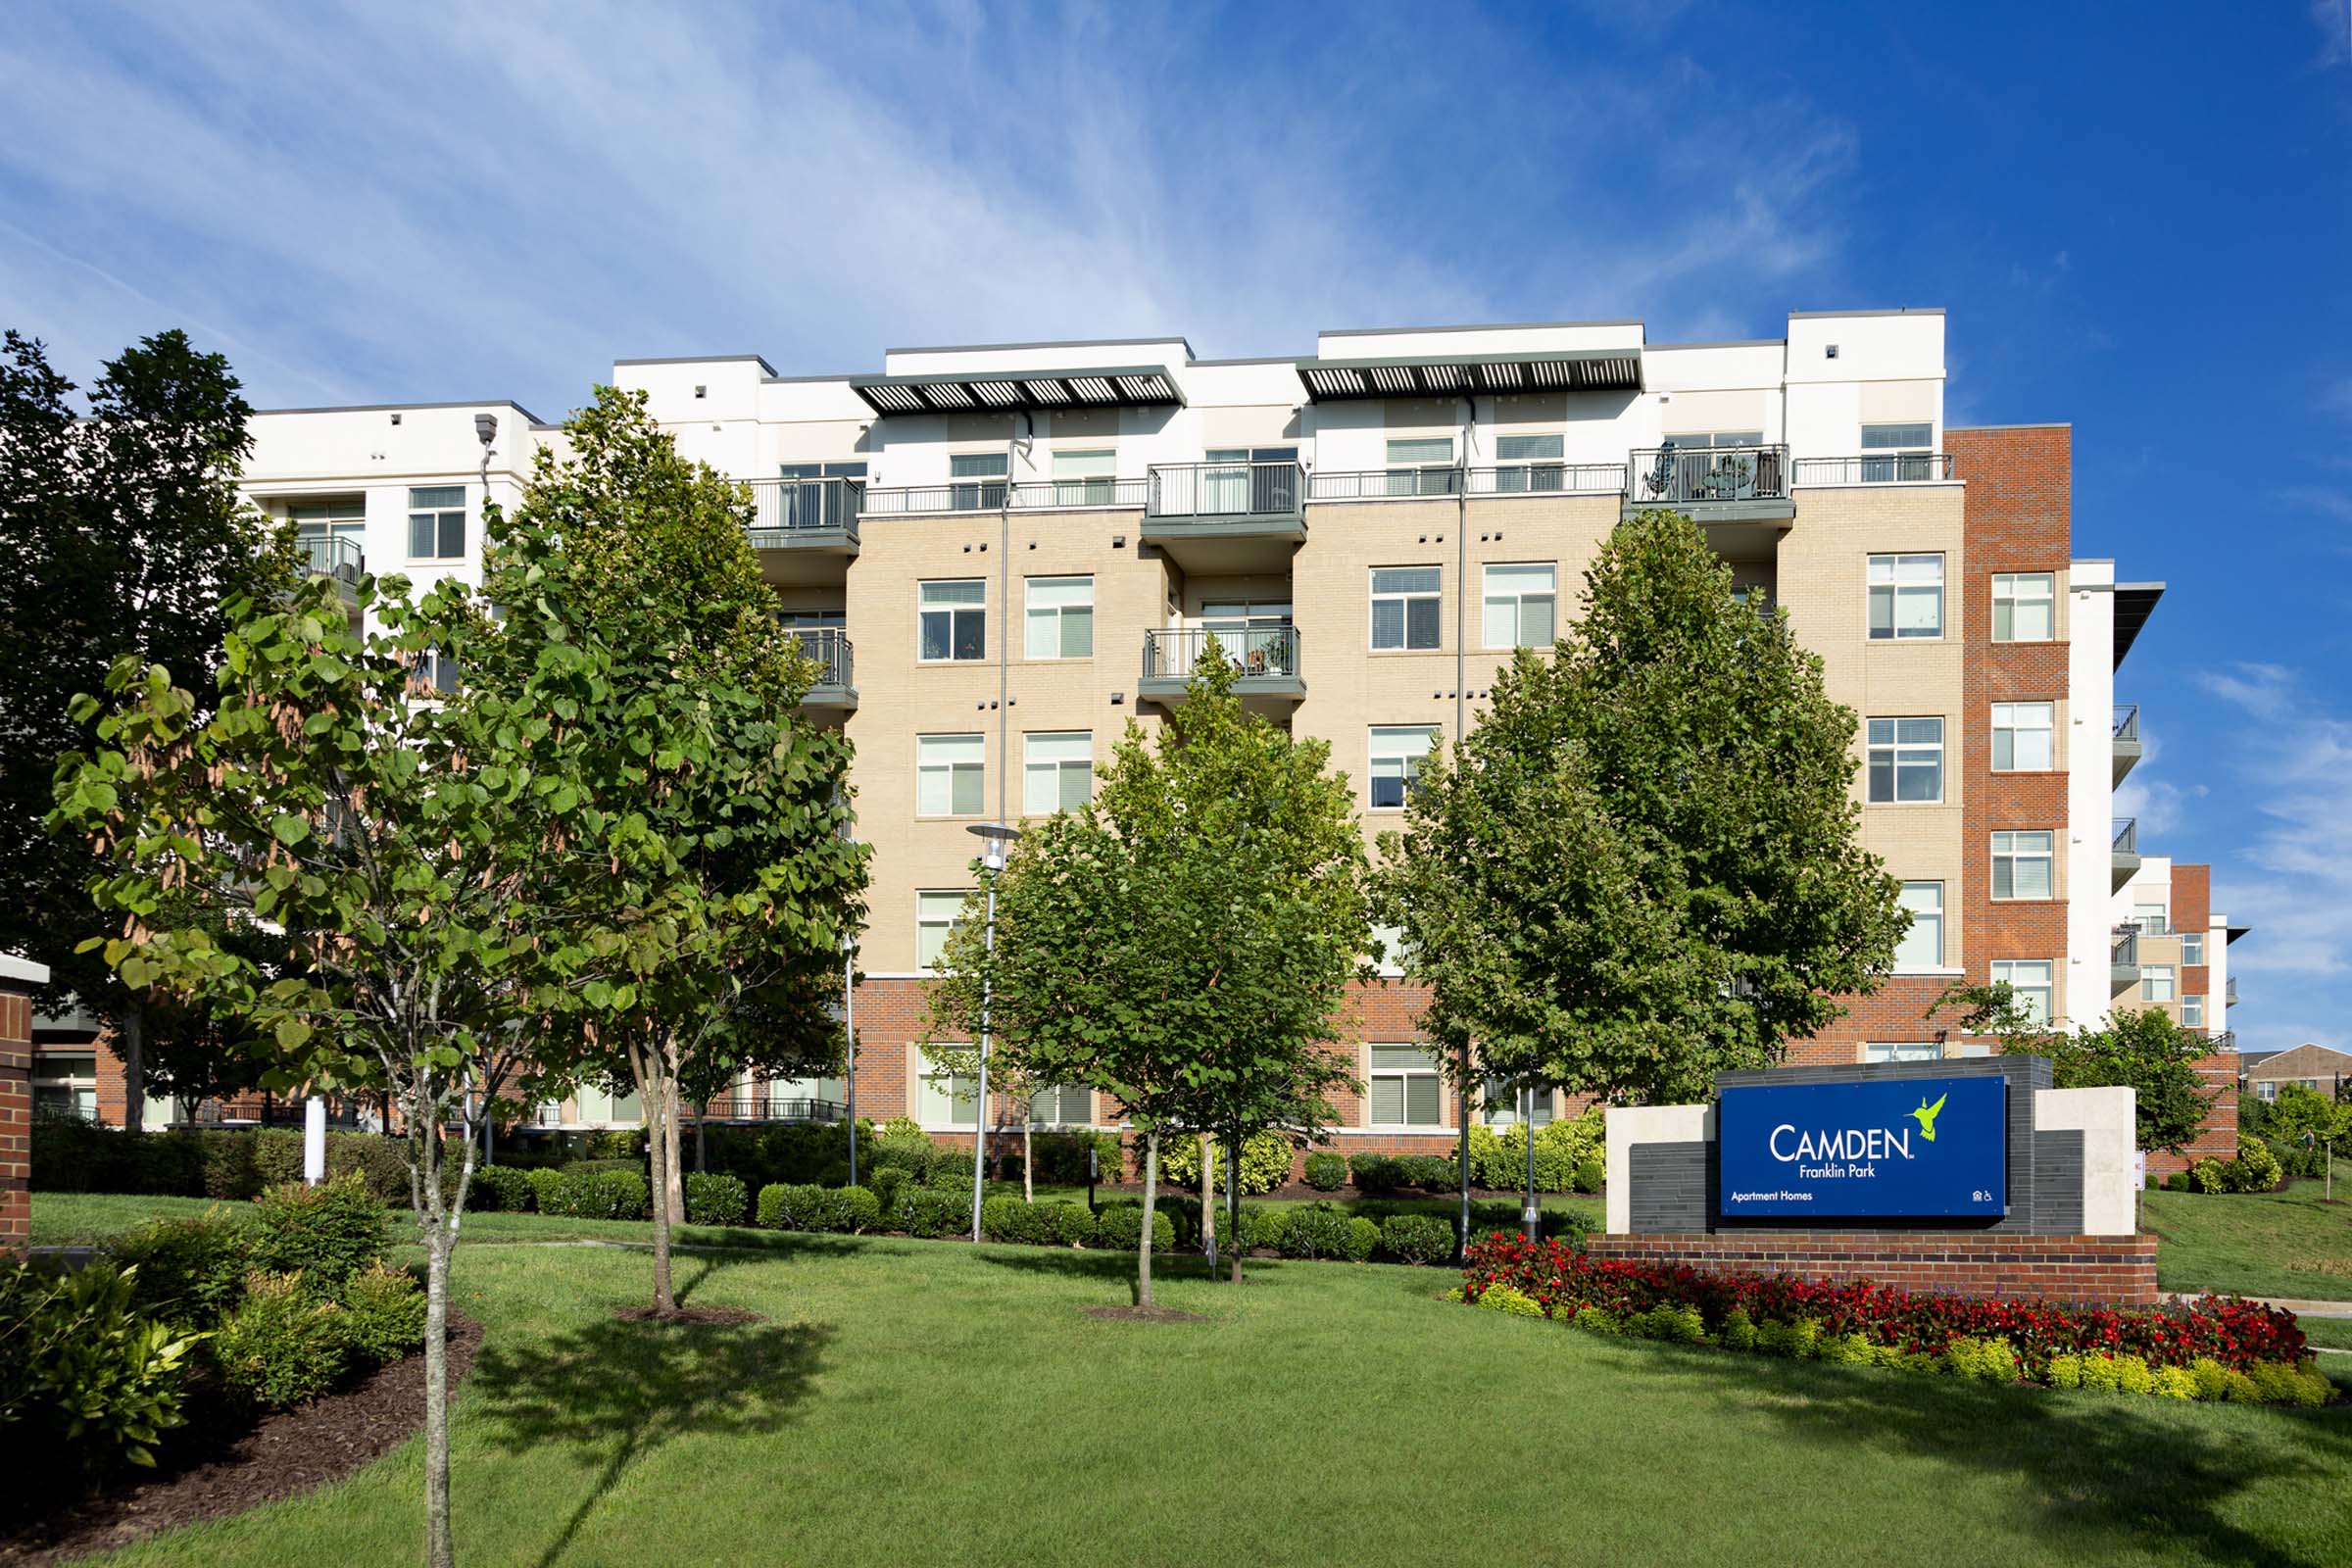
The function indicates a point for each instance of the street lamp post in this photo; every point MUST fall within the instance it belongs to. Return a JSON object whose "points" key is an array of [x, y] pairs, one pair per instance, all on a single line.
{"points": [[848, 1025], [1531, 1216], [994, 836]]}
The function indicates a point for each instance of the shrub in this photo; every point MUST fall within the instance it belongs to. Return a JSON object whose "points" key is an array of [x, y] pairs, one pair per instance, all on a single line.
{"points": [[2220, 1383], [1004, 1220], [1739, 1330], [797, 1206], [1416, 1237], [86, 1383], [1677, 1325], [281, 1346], [2133, 1376], [1503, 1299], [580, 1191], [1849, 1349], [2175, 1383], [2209, 1175], [1589, 1174], [380, 1162], [1061, 1156], [188, 1270], [1317, 1230], [853, 1210], [2256, 1169], [544, 1181], [884, 1182], [1326, 1172], [2176, 1182], [383, 1313], [325, 1233], [1074, 1225], [1361, 1237], [2065, 1371], [926, 1212], [1120, 1226], [950, 1169], [715, 1198], [1375, 1173], [618, 1142], [503, 1187], [278, 1155], [1263, 1228], [1986, 1360], [1596, 1320]]}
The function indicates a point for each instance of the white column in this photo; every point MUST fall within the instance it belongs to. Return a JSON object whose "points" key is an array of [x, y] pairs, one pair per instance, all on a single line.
{"points": [[314, 1140], [2090, 792]]}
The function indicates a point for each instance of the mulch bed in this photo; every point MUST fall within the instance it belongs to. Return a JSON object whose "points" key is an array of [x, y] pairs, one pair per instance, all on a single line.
{"points": [[282, 1455], [1142, 1314], [728, 1315]]}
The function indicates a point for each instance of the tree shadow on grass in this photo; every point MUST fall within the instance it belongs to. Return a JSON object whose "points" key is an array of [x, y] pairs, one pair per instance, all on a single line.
{"points": [[2109, 1471], [1118, 1267], [625, 1388]]}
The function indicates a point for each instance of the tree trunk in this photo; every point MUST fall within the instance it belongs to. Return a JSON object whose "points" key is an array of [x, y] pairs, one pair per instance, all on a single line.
{"points": [[439, 1546], [1233, 1206], [1209, 1202], [1142, 1266], [702, 1142], [670, 1151], [654, 1097], [132, 1037]]}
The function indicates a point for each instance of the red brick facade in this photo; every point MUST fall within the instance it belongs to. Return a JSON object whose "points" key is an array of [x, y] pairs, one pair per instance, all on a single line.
{"points": [[16, 1117], [2117, 1270]]}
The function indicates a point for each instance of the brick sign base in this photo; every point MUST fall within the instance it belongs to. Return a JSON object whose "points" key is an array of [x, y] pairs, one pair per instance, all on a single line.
{"points": [[2115, 1270]]}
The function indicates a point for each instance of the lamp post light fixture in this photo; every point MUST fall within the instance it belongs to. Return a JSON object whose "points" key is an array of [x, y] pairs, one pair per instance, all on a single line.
{"points": [[994, 837], [485, 431]]}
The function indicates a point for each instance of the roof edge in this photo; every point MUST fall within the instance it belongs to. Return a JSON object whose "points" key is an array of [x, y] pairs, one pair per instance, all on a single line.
{"points": [[759, 360]]}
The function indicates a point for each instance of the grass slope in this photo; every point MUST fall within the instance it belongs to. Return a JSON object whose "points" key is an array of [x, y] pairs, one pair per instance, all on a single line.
{"points": [[2286, 1243]]}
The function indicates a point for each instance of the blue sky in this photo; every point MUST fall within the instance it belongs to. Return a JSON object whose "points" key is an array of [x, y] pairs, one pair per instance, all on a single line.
{"points": [[2140, 218]]}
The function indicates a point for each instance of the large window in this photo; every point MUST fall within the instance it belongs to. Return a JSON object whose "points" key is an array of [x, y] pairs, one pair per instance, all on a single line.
{"points": [[1084, 478], [2192, 946], [1504, 1101], [1404, 1089], [954, 622], [1250, 479], [1057, 772], [1520, 606], [437, 522], [2029, 980], [935, 916], [2025, 737], [945, 1099], [2156, 982], [1906, 760], [1902, 1051], [1421, 466], [1062, 1106], [2023, 607], [1529, 462], [980, 480], [2023, 866], [1406, 610], [2150, 918], [950, 775], [1397, 754], [2192, 1011], [66, 1084], [1921, 947], [1897, 452], [1061, 617], [1907, 597]]}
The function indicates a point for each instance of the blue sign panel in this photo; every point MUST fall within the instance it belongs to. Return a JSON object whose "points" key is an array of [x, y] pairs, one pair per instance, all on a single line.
{"points": [[1920, 1147]]}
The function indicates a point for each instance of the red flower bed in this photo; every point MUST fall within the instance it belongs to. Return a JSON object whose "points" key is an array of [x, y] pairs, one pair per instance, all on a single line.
{"points": [[2235, 1331]]}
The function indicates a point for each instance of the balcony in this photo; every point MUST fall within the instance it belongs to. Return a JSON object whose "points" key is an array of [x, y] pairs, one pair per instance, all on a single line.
{"points": [[337, 555], [997, 495], [1224, 519], [1726, 484], [805, 530], [2126, 845], [2227, 1040], [1388, 484], [2122, 959], [2229, 993], [1267, 658], [747, 1107], [1874, 469], [835, 687], [1548, 479], [2128, 748]]}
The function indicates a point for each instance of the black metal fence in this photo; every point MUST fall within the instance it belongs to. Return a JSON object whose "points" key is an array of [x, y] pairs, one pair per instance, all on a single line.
{"points": [[1226, 489], [786, 505], [1674, 476], [1876, 468], [829, 647]]}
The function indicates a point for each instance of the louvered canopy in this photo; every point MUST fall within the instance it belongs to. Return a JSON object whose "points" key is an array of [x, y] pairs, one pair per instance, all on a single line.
{"points": [[1456, 374], [1133, 387]]}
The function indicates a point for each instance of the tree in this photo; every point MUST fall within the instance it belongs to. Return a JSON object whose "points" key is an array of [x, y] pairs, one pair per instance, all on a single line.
{"points": [[1182, 942], [414, 853], [1640, 867], [2142, 1050], [636, 564], [124, 533]]}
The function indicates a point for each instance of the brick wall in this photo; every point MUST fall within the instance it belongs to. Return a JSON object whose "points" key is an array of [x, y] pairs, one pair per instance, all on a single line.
{"points": [[2192, 910], [16, 1117], [2117, 1270]]}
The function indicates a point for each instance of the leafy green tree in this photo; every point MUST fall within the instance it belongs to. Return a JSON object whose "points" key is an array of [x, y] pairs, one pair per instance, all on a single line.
{"points": [[633, 565], [124, 533], [1183, 942], [2141, 1050], [2300, 1112], [1642, 868]]}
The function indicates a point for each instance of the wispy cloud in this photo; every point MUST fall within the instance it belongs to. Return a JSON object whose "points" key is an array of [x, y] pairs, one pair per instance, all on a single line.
{"points": [[2334, 18], [2263, 690], [2161, 806]]}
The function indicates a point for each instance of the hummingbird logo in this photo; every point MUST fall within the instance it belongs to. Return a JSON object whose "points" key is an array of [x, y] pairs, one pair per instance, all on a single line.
{"points": [[1925, 1115]]}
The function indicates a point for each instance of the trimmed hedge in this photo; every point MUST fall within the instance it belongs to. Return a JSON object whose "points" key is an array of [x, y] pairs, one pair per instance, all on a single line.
{"points": [[715, 1198], [1326, 1172], [325, 1233], [1319, 1230], [1049, 1224], [219, 1162], [592, 1190], [501, 1187], [1120, 1227], [1417, 1239]]}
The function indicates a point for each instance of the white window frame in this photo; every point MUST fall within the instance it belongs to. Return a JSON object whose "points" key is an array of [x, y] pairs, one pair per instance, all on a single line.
{"points": [[2193, 1009], [1048, 760], [1531, 462], [942, 761], [1055, 612], [439, 517], [1404, 599], [2045, 988], [1923, 920], [2040, 591], [2193, 948], [978, 481], [2007, 846], [1882, 1050], [927, 902], [1054, 1098], [1419, 469], [1904, 758], [1897, 450], [2006, 728], [52, 1077], [1388, 755], [2158, 983], [930, 1074], [955, 610], [1084, 476], [1513, 600], [1886, 576], [1499, 1102], [1404, 1077]]}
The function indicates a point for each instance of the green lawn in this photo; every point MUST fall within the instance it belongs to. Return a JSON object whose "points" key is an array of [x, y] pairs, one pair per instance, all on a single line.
{"points": [[2258, 1244]]}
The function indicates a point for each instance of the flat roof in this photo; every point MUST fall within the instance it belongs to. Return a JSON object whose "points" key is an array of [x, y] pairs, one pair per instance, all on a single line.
{"points": [[1467, 326], [1898, 310], [1053, 343], [407, 408], [759, 360]]}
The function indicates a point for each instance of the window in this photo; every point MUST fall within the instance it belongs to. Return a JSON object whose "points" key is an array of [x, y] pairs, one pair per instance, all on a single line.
{"points": [[1921, 947], [946, 1098], [1407, 610], [66, 1084], [2029, 979], [2156, 982], [1250, 480], [2024, 737], [1062, 1106], [437, 522], [1254, 633], [1902, 1051], [1906, 759], [1396, 755], [2022, 865], [601, 1105], [2192, 1012], [1061, 617], [332, 534], [2266, 1091], [1907, 446], [1391, 940], [1404, 1089], [1422, 467], [2023, 607], [1907, 597], [1084, 478], [983, 475], [2150, 918], [1057, 772], [935, 916], [1529, 462], [1519, 606], [433, 670], [950, 775], [1504, 1099], [954, 622], [1708, 440], [812, 502], [2192, 946]]}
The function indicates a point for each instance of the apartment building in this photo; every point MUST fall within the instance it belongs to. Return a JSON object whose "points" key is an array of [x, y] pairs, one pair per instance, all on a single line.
{"points": [[1003, 553], [2172, 952]]}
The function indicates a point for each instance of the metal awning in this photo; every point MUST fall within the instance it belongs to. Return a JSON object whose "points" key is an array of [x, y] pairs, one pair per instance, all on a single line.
{"points": [[1454, 376], [2135, 603], [1129, 386]]}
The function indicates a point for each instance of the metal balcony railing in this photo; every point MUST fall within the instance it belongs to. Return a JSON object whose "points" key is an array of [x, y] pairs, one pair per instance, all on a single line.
{"points": [[1039, 495], [992, 495], [1226, 489], [2227, 1040], [2229, 993], [741, 1106], [2127, 721], [787, 506], [1548, 478], [829, 647], [1678, 476], [1876, 468], [2126, 835], [1379, 484], [337, 555], [1173, 653], [2124, 951]]}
